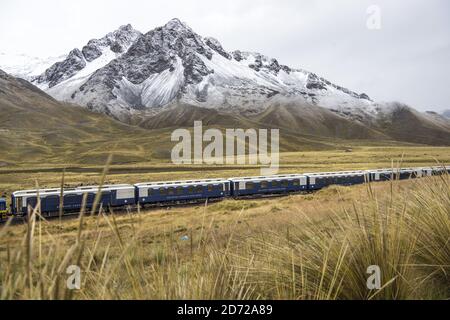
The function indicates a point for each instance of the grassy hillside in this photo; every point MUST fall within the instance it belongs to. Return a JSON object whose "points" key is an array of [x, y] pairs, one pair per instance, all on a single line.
{"points": [[37, 131], [406, 124], [314, 120]]}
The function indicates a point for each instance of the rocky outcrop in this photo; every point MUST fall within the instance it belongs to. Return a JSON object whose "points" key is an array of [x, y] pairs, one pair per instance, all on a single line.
{"points": [[118, 41], [63, 70]]}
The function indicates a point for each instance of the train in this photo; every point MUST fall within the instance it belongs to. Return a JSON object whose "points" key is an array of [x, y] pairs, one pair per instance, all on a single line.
{"points": [[55, 201]]}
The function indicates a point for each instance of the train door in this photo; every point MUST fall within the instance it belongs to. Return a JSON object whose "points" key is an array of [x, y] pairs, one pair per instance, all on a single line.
{"points": [[18, 205], [106, 199]]}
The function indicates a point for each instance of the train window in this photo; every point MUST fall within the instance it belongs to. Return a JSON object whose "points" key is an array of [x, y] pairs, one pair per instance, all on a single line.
{"points": [[264, 184], [191, 189], [296, 182], [199, 189], [285, 183], [179, 190], [274, 184], [249, 185], [210, 188], [149, 192], [171, 191], [162, 191]]}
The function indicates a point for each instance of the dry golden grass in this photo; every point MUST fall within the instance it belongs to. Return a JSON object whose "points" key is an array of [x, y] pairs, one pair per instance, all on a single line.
{"points": [[314, 246], [24, 176]]}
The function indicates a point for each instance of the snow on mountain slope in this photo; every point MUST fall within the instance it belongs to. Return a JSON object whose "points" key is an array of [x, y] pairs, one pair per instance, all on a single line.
{"points": [[67, 75], [64, 90], [142, 78], [240, 83], [24, 66], [126, 73], [173, 63], [157, 90]]}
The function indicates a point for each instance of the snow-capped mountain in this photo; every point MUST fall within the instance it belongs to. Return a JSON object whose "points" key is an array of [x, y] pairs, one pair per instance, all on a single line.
{"points": [[158, 79], [171, 76], [128, 73], [24, 66], [63, 78]]}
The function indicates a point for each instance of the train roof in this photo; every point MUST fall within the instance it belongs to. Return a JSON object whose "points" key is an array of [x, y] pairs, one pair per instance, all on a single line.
{"points": [[75, 190], [337, 173], [380, 170], [435, 168], [274, 177], [180, 183]]}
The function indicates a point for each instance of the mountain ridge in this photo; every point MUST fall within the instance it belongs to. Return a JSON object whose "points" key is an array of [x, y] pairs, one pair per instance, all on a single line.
{"points": [[172, 62], [140, 78]]}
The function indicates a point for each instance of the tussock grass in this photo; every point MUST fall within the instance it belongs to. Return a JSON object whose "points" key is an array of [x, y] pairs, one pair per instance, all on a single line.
{"points": [[405, 232]]}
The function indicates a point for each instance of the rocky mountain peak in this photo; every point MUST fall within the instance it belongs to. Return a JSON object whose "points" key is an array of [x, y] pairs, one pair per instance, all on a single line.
{"points": [[3, 74], [63, 70], [117, 41], [111, 45], [176, 25], [127, 72], [217, 47]]}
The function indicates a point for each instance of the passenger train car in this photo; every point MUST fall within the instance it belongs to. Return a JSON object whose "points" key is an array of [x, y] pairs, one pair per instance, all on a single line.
{"points": [[278, 184], [346, 178], [50, 199], [188, 191], [181, 191]]}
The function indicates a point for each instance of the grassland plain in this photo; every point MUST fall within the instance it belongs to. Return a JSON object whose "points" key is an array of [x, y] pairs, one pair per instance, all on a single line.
{"points": [[311, 246], [24, 175]]}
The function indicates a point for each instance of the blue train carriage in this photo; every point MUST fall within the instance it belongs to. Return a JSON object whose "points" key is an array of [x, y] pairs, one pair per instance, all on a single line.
{"points": [[3, 209], [408, 173], [435, 171], [181, 191], [111, 196], [346, 178], [264, 185]]}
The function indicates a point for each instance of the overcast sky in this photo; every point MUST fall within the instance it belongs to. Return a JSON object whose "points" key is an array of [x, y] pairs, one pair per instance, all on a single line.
{"points": [[407, 59]]}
